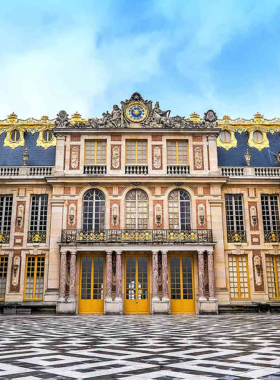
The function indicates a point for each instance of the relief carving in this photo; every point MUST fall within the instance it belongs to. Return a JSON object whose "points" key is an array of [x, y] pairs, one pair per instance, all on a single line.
{"points": [[157, 158], [198, 158], [116, 157], [75, 152]]}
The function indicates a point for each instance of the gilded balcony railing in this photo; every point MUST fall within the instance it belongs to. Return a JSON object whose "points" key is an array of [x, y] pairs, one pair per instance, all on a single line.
{"points": [[236, 237], [137, 236], [36, 237], [272, 236], [4, 237]]}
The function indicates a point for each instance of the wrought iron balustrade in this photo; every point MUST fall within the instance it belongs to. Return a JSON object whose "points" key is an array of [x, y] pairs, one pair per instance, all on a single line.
{"points": [[236, 237], [272, 236], [36, 237], [4, 237], [95, 169], [178, 169], [127, 236]]}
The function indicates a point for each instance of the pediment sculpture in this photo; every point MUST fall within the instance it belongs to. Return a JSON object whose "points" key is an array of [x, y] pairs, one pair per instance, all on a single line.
{"points": [[138, 113]]}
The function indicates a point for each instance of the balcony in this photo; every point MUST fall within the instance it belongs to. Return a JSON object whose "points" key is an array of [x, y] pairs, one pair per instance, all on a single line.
{"points": [[95, 169], [136, 169], [178, 169], [22, 171], [36, 237], [236, 237], [4, 237], [126, 237], [250, 172], [272, 236]]}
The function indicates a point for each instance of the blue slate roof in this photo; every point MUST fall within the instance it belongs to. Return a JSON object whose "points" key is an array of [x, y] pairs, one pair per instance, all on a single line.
{"points": [[38, 156], [263, 158]]}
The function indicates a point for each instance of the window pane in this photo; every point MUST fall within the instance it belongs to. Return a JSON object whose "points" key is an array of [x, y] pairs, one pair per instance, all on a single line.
{"points": [[130, 152], [182, 153], [94, 210], [142, 152], [171, 153], [3, 275], [6, 204]]}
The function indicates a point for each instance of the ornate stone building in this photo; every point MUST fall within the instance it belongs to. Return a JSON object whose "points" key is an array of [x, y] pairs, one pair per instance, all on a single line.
{"points": [[139, 212]]}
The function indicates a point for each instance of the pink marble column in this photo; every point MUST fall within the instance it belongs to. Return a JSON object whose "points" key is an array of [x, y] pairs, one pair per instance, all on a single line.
{"points": [[109, 275], [119, 274], [211, 274], [62, 278], [201, 274], [72, 286], [155, 274], [164, 275]]}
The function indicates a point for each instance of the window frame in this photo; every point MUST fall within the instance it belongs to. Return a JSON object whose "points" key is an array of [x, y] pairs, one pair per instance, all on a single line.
{"points": [[275, 273], [5, 217], [239, 298], [177, 152], [40, 222], [225, 132], [4, 271], [234, 200], [136, 152], [34, 278], [277, 219], [95, 152], [187, 203], [138, 210], [101, 214]]}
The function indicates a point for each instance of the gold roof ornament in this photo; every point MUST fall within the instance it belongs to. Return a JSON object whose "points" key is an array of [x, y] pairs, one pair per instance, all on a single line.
{"points": [[258, 118], [247, 157], [44, 119], [12, 118], [76, 117], [226, 119], [194, 117]]}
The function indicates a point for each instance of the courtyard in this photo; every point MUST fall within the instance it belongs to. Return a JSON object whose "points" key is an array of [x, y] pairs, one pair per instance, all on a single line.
{"points": [[140, 347]]}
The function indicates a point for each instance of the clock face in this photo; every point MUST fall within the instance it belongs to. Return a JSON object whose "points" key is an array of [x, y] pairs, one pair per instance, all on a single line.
{"points": [[136, 112]]}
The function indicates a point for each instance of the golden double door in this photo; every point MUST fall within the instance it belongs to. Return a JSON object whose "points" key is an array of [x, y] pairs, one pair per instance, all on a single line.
{"points": [[92, 284], [136, 297], [181, 286]]}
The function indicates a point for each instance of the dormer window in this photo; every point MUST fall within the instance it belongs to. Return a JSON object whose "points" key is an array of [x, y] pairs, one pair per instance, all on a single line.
{"points": [[47, 135], [225, 136], [15, 135], [258, 137]]}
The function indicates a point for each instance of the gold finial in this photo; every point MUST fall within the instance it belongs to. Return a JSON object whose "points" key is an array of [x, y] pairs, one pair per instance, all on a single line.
{"points": [[44, 119], [12, 118], [76, 117], [258, 118], [194, 117], [226, 118]]}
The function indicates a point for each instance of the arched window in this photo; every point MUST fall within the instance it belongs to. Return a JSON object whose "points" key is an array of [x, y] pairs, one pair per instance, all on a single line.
{"points": [[225, 136], [94, 210], [258, 137], [179, 210], [136, 209]]}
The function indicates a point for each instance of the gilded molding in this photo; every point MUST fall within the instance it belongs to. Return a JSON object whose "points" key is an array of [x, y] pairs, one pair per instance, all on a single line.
{"points": [[227, 145], [261, 145], [8, 142], [45, 144]]}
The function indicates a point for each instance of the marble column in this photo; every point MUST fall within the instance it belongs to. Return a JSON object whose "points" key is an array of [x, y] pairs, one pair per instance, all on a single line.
{"points": [[72, 286], [165, 292], [118, 275], [211, 275], [109, 276], [155, 274], [62, 277], [201, 275]]}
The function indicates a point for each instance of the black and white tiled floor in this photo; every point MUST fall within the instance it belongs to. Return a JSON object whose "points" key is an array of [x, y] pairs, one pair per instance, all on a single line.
{"points": [[140, 347]]}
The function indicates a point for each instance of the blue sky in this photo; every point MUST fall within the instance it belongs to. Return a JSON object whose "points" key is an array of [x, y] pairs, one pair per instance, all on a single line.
{"points": [[191, 55]]}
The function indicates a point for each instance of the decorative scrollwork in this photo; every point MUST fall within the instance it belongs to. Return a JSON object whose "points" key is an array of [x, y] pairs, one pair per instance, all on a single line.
{"points": [[272, 236], [36, 237], [126, 236], [4, 237], [236, 237]]}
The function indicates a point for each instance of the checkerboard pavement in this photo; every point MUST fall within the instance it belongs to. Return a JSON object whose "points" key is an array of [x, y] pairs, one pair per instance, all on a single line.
{"points": [[140, 347]]}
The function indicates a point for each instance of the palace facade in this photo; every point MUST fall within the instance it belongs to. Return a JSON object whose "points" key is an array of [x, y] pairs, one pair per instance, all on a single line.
{"points": [[139, 212]]}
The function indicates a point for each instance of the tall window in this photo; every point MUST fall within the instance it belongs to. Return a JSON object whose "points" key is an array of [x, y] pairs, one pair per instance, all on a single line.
{"points": [[270, 212], [234, 216], [39, 212], [34, 277], [3, 275], [94, 210], [95, 153], [6, 204], [136, 152], [238, 277], [273, 276], [177, 153], [137, 209], [179, 210]]}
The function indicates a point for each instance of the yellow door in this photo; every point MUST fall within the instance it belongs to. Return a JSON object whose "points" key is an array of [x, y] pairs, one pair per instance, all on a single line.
{"points": [[92, 285], [181, 284], [136, 285]]}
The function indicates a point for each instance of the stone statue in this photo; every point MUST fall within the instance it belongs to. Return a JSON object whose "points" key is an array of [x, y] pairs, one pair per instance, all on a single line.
{"points": [[62, 120], [159, 115], [116, 116]]}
